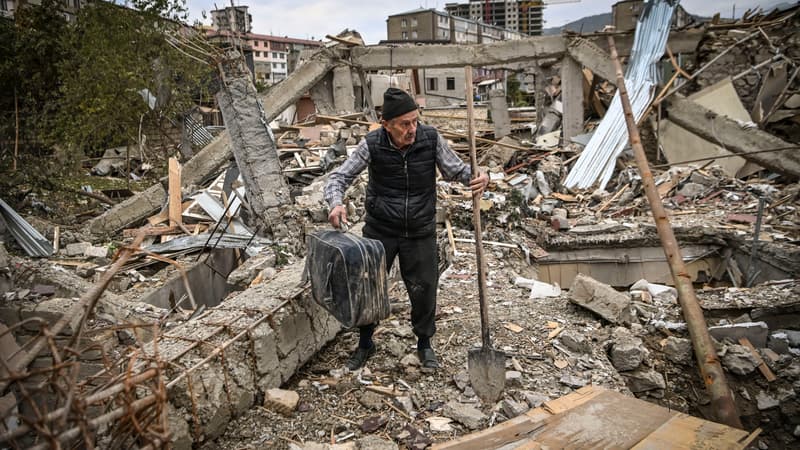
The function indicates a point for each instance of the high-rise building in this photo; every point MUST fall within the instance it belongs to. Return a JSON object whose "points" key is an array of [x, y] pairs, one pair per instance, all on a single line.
{"points": [[526, 17]]}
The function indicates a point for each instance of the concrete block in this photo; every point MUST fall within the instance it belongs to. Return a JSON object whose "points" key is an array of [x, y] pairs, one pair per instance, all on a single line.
{"points": [[76, 248], [627, 353], [755, 332], [96, 252], [601, 299]]}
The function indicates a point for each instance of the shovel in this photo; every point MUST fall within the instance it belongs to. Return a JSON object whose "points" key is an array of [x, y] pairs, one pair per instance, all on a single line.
{"points": [[486, 366]]}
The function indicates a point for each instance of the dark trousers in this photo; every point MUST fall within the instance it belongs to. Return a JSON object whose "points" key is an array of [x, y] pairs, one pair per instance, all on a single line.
{"points": [[420, 272]]}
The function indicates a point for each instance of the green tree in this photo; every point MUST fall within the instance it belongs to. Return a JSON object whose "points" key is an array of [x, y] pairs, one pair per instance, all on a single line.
{"points": [[29, 79], [119, 53]]}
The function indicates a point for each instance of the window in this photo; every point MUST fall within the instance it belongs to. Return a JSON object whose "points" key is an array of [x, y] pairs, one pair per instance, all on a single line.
{"points": [[258, 54], [413, 21], [274, 65], [414, 34], [283, 65], [405, 34], [433, 84], [451, 84], [403, 23], [274, 55]]}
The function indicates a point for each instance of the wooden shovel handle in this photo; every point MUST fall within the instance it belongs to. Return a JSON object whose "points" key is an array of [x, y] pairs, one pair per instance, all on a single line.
{"points": [[476, 211]]}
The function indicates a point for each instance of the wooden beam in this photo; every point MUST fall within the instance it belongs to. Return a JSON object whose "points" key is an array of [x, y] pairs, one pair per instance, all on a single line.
{"points": [[762, 366], [175, 195]]}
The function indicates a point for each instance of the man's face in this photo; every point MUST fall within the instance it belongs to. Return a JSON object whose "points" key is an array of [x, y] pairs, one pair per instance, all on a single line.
{"points": [[403, 129]]}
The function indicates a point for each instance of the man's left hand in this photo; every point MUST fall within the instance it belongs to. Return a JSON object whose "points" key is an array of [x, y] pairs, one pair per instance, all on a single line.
{"points": [[479, 183]]}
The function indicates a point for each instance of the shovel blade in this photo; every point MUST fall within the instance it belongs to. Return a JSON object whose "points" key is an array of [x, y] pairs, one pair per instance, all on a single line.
{"points": [[487, 373]]}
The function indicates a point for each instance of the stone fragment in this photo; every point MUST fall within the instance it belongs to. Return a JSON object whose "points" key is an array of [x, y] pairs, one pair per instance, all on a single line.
{"points": [[413, 438], [601, 299], [95, 252], [373, 424], [755, 332], [371, 400], [678, 350], [467, 415], [410, 360], [375, 443], [461, 379], [691, 190], [780, 341], [575, 341], [559, 223], [573, 381], [766, 401], [242, 276], [282, 401], [796, 432], [534, 399], [440, 424], [643, 380], [405, 403], [396, 348], [739, 359], [513, 378], [627, 353], [76, 249], [512, 408]]}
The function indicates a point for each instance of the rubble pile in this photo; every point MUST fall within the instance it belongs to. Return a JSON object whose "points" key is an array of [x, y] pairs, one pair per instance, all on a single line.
{"points": [[195, 285]]}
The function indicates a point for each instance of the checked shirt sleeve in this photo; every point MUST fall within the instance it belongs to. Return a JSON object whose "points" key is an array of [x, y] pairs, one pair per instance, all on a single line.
{"points": [[341, 178]]}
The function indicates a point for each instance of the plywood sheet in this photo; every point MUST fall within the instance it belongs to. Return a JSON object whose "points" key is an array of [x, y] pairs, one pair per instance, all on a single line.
{"points": [[686, 432]]}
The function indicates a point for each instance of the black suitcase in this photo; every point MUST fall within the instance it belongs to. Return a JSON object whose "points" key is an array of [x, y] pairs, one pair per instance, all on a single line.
{"points": [[348, 276]]}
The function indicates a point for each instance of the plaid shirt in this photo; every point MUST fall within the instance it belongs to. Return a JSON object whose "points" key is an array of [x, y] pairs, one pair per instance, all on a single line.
{"points": [[450, 165]]}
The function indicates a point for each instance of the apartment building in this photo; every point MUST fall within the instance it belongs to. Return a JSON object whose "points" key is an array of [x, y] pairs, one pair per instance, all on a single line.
{"points": [[441, 87], [431, 26], [274, 56], [526, 17]]}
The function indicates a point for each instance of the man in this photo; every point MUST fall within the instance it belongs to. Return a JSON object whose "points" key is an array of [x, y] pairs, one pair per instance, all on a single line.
{"points": [[402, 157]]}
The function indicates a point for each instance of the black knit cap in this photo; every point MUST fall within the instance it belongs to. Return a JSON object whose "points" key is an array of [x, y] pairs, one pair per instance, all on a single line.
{"points": [[397, 102]]}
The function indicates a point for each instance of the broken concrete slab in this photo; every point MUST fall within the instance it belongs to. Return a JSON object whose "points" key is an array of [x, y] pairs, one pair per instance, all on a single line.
{"points": [[678, 350], [644, 380], [738, 359], [755, 332], [680, 144], [748, 142], [76, 248], [252, 142], [627, 352], [467, 415], [601, 299]]}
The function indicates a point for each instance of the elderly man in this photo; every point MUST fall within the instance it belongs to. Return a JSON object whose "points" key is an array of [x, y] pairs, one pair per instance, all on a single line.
{"points": [[402, 157]]}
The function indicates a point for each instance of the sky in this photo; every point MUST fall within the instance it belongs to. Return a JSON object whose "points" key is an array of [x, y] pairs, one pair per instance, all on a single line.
{"points": [[313, 19]]}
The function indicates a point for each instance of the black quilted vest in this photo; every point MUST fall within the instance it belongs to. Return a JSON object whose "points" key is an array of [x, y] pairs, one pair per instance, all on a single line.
{"points": [[401, 193]]}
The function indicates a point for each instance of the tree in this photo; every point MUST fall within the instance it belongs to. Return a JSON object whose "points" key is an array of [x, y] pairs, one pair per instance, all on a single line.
{"points": [[120, 54], [29, 79]]}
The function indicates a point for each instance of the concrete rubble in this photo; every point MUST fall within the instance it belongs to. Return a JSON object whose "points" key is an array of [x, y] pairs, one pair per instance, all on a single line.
{"points": [[580, 292]]}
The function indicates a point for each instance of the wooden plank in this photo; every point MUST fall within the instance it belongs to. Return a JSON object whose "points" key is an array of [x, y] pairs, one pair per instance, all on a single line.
{"points": [[160, 231], [175, 195], [762, 366], [521, 426], [686, 432], [609, 420], [163, 216]]}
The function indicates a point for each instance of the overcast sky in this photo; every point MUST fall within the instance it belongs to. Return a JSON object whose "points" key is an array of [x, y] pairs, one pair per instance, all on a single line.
{"points": [[309, 19]]}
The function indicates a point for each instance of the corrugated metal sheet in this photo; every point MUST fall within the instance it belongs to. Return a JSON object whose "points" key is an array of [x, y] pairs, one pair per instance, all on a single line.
{"points": [[597, 160], [28, 238]]}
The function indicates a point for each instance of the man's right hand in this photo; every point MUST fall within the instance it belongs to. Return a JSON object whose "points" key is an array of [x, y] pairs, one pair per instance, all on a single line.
{"points": [[338, 216]]}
